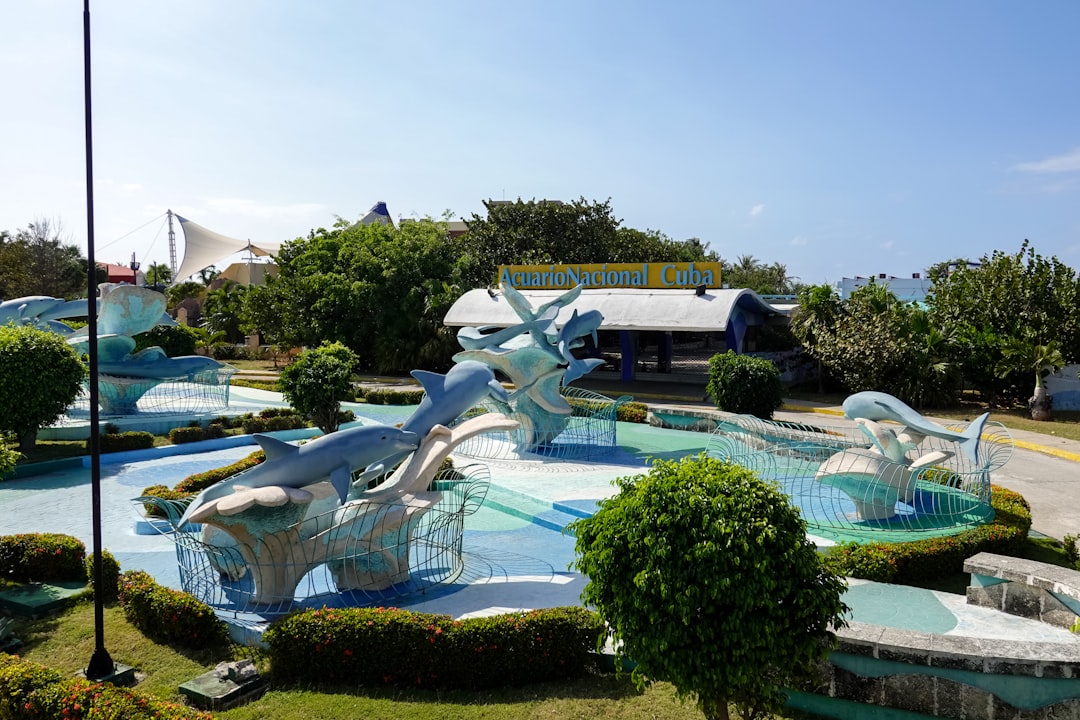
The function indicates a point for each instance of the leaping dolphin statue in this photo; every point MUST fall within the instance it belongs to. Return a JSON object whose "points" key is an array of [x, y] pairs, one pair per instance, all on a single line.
{"points": [[882, 406], [448, 396], [336, 456]]}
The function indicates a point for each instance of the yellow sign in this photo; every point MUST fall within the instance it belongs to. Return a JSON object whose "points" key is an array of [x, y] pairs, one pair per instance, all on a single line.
{"points": [[666, 276]]}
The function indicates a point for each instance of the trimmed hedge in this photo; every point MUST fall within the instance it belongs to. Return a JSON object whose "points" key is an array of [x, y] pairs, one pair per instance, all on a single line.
{"points": [[634, 412], [392, 396], [169, 616], [387, 646], [904, 563], [118, 442], [744, 384], [181, 435], [200, 481], [29, 691], [41, 557]]}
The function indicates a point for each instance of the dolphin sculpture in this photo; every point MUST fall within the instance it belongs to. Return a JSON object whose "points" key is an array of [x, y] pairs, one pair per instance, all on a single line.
{"points": [[577, 327], [336, 455], [448, 396], [871, 405], [472, 338]]}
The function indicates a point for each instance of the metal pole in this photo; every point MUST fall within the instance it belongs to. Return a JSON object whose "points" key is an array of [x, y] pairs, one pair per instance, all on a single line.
{"points": [[100, 665]]}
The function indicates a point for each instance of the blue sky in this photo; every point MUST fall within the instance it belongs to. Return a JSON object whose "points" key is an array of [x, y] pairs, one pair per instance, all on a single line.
{"points": [[841, 138]]}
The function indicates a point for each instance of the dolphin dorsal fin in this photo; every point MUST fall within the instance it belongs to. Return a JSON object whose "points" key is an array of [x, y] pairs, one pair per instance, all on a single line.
{"points": [[274, 448], [428, 380]]}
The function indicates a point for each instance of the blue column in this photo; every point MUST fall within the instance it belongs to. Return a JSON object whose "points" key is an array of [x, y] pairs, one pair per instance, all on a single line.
{"points": [[664, 353], [628, 346]]}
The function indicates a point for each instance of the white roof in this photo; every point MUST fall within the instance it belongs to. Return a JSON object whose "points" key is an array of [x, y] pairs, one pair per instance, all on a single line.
{"points": [[622, 308], [203, 248]]}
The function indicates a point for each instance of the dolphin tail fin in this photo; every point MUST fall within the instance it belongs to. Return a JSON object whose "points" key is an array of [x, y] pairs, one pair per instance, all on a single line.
{"points": [[341, 479], [971, 436]]}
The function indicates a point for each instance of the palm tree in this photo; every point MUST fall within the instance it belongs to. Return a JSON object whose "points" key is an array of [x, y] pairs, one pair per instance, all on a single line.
{"points": [[159, 274], [1027, 354]]}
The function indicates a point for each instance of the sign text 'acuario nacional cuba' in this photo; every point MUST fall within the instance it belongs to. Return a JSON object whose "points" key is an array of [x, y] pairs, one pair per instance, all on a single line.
{"points": [[662, 276]]}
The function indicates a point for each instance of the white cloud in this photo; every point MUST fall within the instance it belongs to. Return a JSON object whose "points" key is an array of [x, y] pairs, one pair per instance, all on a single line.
{"points": [[799, 241], [757, 210], [887, 245], [1069, 162]]}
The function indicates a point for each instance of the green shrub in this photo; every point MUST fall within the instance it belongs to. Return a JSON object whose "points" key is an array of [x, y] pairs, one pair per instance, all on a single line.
{"points": [[380, 646], [180, 435], [1072, 549], [41, 557], [29, 691], [169, 616], [269, 385], [110, 575], [634, 412], [318, 380], [744, 384], [919, 560], [705, 576], [8, 459], [254, 425], [200, 481], [119, 442], [393, 396], [40, 376], [175, 340], [163, 492]]}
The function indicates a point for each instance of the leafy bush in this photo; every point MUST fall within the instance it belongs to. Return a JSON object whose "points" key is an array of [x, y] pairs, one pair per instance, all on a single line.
{"points": [[169, 616], [8, 459], [744, 384], [269, 385], [380, 646], [920, 560], [110, 575], [119, 442], [175, 340], [163, 492], [29, 691], [180, 435], [393, 396], [200, 481], [1072, 549], [273, 423], [318, 380], [40, 375], [634, 412], [41, 557], [705, 576]]}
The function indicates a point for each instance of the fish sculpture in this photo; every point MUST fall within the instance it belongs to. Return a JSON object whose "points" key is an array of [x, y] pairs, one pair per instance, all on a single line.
{"points": [[876, 406], [336, 456]]}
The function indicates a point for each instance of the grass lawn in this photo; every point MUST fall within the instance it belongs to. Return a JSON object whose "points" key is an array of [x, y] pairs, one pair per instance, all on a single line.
{"points": [[66, 641]]}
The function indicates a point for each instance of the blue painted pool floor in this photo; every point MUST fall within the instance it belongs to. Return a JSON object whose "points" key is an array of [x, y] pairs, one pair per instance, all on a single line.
{"points": [[516, 554]]}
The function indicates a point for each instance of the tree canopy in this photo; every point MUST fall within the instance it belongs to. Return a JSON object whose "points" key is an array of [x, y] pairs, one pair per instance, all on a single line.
{"points": [[36, 260]]}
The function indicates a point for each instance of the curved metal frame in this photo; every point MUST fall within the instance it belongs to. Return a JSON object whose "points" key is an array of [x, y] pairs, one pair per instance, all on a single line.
{"points": [[418, 553], [844, 489]]}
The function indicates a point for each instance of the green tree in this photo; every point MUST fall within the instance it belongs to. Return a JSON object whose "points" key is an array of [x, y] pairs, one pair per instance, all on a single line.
{"points": [[704, 574], [380, 290], [317, 381], [40, 375], [175, 340], [814, 321], [38, 261], [753, 274], [1027, 355], [1023, 296], [158, 274], [223, 311]]}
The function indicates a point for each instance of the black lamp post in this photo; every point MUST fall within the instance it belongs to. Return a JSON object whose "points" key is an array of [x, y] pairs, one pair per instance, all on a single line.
{"points": [[101, 665], [134, 271]]}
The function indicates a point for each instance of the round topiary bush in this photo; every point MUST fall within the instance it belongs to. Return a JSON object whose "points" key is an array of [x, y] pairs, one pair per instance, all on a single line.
{"points": [[745, 385]]}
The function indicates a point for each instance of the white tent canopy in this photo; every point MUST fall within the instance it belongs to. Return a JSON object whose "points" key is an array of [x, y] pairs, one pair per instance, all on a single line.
{"points": [[623, 309], [203, 248]]}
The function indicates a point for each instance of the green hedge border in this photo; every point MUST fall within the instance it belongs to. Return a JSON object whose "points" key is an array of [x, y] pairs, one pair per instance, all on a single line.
{"points": [[905, 563]]}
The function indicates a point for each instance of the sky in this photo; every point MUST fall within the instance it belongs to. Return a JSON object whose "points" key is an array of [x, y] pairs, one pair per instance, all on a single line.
{"points": [[841, 138]]}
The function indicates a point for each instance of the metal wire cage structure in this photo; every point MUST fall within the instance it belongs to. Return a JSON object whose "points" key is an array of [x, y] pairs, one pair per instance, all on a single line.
{"points": [[588, 431], [847, 491], [353, 555], [204, 391]]}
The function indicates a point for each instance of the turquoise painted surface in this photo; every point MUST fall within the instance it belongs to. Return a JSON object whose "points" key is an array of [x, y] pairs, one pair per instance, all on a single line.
{"points": [[1022, 691], [891, 606]]}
